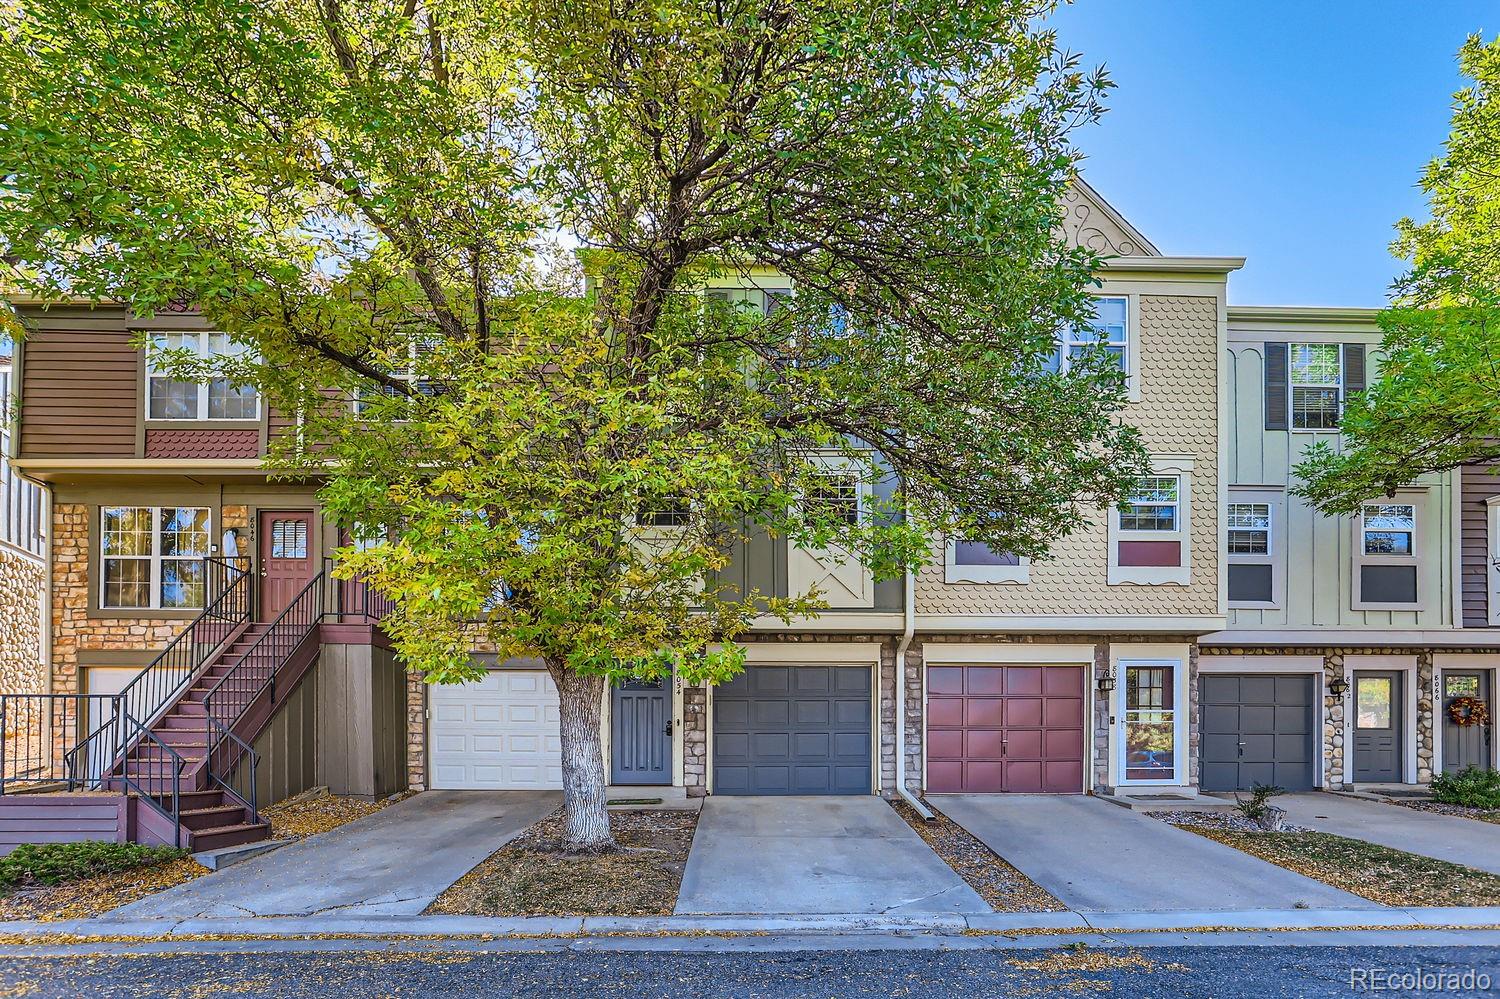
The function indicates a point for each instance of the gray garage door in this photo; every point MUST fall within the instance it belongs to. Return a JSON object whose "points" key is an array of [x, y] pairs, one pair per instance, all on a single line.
{"points": [[1258, 728], [793, 730]]}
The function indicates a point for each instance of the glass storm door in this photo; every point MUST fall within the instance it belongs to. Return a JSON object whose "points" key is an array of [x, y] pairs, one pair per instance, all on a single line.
{"points": [[1149, 719]]}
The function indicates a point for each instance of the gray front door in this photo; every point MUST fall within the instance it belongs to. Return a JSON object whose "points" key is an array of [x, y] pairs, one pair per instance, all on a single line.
{"points": [[793, 730], [1258, 729], [1378, 725], [1465, 745], [641, 733]]}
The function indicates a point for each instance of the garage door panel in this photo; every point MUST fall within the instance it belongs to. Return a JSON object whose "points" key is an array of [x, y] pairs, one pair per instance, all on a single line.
{"points": [[1029, 738], [855, 713], [1023, 711], [1063, 745], [1221, 717], [810, 712], [1024, 777], [1062, 682], [1023, 745], [496, 733], [730, 714], [945, 745], [945, 711], [983, 680], [731, 744], [1059, 773], [943, 680], [811, 744], [770, 713], [771, 745], [1257, 689], [1291, 749], [768, 680], [983, 744], [1291, 720], [946, 775], [1221, 689], [1258, 718], [1258, 728], [984, 774], [976, 711], [1023, 680], [1061, 713]]}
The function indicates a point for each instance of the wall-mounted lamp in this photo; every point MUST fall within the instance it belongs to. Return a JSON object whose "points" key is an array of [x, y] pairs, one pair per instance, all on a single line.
{"points": [[1338, 686], [231, 542], [1106, 682]]}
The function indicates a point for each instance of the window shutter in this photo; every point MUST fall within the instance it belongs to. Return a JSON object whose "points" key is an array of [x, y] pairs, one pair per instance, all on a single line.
{"points": [[1276, 386], [1354, 368]]}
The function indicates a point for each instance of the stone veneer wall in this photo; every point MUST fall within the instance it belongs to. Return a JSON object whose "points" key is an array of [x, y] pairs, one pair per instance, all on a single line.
{"points": [[416, 731], [23, 582], [695, 741]]}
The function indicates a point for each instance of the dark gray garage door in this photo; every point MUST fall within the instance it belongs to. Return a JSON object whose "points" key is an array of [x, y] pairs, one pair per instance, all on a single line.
{"points": [[793, 730], [1258, 728]]}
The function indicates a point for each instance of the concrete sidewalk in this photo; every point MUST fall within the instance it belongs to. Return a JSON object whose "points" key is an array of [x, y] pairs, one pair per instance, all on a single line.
{"points": [[394, 862], [814, 854], [1095, 856], [1445, 837]]}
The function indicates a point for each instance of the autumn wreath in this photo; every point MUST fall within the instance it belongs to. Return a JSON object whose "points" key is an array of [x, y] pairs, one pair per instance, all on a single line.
{"points": [[1466, 711]]}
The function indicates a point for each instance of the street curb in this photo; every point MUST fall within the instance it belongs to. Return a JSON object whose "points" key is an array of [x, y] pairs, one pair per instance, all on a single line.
{"points": [[850, 924]]}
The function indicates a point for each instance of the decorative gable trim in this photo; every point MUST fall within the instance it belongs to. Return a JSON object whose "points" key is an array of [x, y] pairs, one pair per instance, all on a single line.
{"points": [[1091, 222]]}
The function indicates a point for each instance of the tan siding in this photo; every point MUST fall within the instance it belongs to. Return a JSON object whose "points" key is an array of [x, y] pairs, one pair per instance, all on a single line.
{"points": [[287, 746], [1479, 484], [80, 388], [1178, 415]]}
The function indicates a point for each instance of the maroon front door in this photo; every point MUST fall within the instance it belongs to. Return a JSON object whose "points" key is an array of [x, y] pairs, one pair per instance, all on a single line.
{"points": [[286, 560], [993, 727]]}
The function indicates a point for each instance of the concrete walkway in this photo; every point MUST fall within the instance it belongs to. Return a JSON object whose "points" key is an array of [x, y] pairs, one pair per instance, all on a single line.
{"points": [[392, 863], [1445, 837], [1094, 856], [815, 855]]}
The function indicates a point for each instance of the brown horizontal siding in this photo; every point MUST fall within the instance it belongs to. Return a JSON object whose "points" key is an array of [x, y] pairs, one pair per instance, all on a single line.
{"points": [[80, 384], [61, 818], [1478, 485]]}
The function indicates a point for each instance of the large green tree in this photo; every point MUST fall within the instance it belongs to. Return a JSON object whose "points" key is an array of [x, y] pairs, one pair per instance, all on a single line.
{"points": [[1436, 405], [382, 202]]}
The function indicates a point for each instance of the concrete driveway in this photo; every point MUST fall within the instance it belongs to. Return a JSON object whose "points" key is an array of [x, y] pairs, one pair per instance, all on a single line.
{"points": [[1098, 857], [394, 862], [1445, 837], [815, 855]]}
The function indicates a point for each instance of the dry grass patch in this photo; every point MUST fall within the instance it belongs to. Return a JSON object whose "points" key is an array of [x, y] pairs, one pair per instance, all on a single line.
{"points": [[99, 894], [1001, 885], [534, 876], [1378, 873], [317, 811]]}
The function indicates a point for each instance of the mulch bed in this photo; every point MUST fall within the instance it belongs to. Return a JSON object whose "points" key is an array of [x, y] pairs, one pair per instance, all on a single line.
{"points": [[310, 813], [532, 875], [1001, 885], [1378, 873], [1462, 811], [1221, 820], [97, 895]]}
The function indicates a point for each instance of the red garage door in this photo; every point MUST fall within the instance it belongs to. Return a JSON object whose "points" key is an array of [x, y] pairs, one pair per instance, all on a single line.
{"points": [[993, 727]]}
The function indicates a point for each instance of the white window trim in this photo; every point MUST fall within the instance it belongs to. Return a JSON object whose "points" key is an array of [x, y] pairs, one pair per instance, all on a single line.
{"points": [[1275, 556], [1132, 325], [1157, 575], [203, 387], [955, 573], [1291, 388], [407, 374], [1421, 553], [799, 579], [155, 558], [1182, 776], [1492, 571]]}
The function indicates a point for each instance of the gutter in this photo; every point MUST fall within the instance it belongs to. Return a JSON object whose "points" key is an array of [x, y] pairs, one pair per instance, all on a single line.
{"points": [[908, 631]]}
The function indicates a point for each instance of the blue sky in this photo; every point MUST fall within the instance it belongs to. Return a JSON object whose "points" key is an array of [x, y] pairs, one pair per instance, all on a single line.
{"points": [[1289, 133]]}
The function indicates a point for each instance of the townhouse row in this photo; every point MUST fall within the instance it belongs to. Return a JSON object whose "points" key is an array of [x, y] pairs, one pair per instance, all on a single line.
{"points": [[1212, 633]]}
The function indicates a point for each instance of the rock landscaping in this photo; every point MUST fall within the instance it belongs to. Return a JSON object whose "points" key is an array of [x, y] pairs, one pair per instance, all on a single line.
{"points": [[1001, 885], [1462, 811], [533, 875]]}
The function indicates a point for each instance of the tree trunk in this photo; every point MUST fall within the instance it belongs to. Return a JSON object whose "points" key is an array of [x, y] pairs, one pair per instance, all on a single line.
{"points": [[586, 818]]}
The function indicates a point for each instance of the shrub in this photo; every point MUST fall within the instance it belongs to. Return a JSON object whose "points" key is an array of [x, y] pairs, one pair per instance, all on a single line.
{"points": [[1259, 810], [1470, 787], [58, 863]]}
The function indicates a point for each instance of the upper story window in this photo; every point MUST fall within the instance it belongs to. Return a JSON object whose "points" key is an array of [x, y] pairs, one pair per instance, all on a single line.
{"points": [[1389, 529], [1253, 550], [836, 494], [170, 399], [1388, 559], [152, 557], [1249, 528], [1153, 506], [409, 372], [1148, 533], [976, 562], [1108, 330], [664, 511], [1316, 376]]}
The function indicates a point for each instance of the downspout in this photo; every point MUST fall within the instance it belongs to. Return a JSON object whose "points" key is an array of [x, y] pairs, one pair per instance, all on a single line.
{"points": [[908, 630]]}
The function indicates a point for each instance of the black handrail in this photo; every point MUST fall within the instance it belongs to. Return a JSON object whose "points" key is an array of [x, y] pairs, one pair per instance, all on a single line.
{"points": [[227, 767], [40, 737], [152, 772]]}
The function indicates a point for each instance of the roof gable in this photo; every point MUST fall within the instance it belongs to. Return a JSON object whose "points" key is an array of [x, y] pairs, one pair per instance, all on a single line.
{"points": [[1090, 222]]}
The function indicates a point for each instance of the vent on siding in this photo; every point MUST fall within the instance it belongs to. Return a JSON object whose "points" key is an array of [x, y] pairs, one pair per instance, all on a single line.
{"points": [[1276, 387]]}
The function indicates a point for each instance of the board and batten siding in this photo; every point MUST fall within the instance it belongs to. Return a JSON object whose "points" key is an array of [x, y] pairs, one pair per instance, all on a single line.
{"points": [[1480, 482], [80, 384], [1317, 552], [287, 745]]}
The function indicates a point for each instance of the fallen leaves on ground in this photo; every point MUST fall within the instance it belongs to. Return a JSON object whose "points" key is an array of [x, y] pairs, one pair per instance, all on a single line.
{"points": [[97, 895], [1378, 873], [534, 876], [1001, 885], [307, 815]]}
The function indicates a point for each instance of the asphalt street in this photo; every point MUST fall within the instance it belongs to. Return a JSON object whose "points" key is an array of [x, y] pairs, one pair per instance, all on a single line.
{"points": [[1156, 973]]}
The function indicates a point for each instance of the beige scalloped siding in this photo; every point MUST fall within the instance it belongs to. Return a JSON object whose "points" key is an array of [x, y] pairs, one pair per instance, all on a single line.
{"points": [[1177, 415]]}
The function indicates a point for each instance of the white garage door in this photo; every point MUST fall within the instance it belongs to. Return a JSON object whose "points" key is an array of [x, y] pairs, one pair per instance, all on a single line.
{"points": [[499, 733]]}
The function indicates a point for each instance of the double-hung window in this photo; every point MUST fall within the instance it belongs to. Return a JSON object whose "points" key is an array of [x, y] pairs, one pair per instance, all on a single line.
{"points": [[1154, 506], [1387, 555], [1108, 330], [1148, 532], [169, 398], [152, 557], [1316, 377], [1250, 522], [411, 372]]}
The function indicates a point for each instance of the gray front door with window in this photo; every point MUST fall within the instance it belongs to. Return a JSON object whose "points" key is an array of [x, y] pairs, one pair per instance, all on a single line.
{"points": [[1466, 745], [641, 733], [793, 730], [1378, 724], [1258, 729]]}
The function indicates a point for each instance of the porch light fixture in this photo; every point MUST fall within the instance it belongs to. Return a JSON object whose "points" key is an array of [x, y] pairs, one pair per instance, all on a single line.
{"points": [[1106, 682], [1338, 686]]}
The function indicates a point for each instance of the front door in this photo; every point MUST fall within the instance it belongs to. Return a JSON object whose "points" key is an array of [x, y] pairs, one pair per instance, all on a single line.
{"points": [[286, 558], [1465, 745], [1377, 727], [641, 733]]}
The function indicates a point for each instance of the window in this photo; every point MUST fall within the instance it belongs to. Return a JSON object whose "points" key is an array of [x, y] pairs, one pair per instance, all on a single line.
{"points": [[1148, 533], [1109, 330], [835, 494], [665, 511], [152, 556], [418, 353], [1388, 566], [1153, 506], [1373, 699], [1252, 548], [1149, 719], [1389, 529], [217, 399], [976, 562], [1249, 528], [1316, 376]]}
